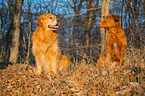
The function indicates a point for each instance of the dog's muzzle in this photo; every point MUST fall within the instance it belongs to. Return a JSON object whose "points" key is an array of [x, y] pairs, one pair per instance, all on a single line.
{"points": [[54, 27]]}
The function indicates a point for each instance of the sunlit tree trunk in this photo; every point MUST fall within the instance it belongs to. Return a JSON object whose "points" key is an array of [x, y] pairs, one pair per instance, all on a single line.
{"points": [[16, 32], [104, 12]]}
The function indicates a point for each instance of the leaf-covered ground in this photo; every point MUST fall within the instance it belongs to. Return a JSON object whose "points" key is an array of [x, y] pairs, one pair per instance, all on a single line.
{"points": [[80, 80]]}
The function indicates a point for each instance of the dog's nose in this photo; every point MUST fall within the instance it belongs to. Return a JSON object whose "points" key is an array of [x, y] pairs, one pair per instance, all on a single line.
{"points": [[58, 20]]}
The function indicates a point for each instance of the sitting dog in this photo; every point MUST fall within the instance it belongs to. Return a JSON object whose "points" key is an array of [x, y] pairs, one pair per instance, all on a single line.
{"points": [[116, 39], [45, 44]]}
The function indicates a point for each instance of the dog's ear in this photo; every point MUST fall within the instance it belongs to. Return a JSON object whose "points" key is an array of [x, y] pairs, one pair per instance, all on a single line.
{"points": [[40, 20], [116, 17]]}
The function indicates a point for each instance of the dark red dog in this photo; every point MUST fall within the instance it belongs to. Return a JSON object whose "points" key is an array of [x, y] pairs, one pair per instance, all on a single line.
{"points": [[116, 39]]}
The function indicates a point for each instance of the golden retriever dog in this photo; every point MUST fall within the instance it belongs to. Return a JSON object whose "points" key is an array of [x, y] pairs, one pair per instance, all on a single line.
{"points": [[45, 44], [116, 39]]}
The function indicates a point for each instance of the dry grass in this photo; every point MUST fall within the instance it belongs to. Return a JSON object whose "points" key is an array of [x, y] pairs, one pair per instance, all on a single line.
{"points": [[80, 80]]}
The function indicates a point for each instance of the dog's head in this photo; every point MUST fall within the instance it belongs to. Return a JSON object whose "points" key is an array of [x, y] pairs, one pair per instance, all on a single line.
{"points": [[48, 22], [110, 21]]}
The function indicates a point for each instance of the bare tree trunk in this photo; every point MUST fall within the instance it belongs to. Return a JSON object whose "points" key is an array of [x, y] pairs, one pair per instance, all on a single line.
{"points": [[104, 12], [16, 31], [0, 32], [88, 25], [76, 9], [88, 20], [1, 56], [144, 7], [144, 22]]}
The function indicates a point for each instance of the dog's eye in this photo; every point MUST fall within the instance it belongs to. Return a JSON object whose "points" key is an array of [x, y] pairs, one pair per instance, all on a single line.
{"points": [[50, 17], [107, 19]]}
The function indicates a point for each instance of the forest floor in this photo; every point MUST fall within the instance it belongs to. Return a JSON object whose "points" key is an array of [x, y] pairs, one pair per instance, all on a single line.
{"points": [[81, 80]]}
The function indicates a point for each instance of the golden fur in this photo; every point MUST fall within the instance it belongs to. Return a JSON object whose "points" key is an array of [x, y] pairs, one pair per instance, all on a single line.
{"points": [[64, 62], [101, 61], [116, 39], [45, 44]]}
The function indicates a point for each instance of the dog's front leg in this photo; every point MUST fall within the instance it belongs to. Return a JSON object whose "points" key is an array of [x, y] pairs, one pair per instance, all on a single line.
{"points": [[108, 55], [54, 64], [53, 61], [121, 57], [39, 67]]}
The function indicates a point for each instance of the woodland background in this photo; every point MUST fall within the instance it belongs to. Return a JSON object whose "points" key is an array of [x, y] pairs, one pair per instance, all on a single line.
{"points": [[81, 39], [80, 36]]}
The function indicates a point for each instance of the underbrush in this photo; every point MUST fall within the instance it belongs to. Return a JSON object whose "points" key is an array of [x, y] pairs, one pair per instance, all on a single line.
{"points": [[80, 80]]}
